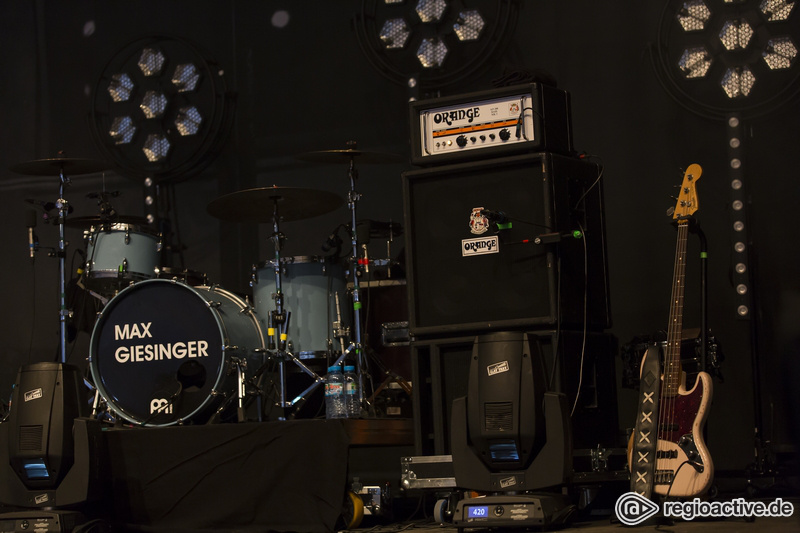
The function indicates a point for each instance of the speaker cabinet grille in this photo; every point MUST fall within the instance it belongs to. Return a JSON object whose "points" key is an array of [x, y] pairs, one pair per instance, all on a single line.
{"points": [[518, 284]]}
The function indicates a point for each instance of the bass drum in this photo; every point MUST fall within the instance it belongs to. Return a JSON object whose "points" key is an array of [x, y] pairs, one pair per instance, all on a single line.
{"points": [[164, 353]]}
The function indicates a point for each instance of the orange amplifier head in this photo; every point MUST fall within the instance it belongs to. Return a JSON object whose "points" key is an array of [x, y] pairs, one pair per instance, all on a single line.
{"points": [[522, 118]]}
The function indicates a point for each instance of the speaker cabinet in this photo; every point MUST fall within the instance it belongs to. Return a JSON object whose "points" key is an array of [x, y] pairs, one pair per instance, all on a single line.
{"points": [[466, 273]]}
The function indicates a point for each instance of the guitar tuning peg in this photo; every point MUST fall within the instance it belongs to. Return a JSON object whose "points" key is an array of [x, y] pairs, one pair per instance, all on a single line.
{"points": [[671, 211]]}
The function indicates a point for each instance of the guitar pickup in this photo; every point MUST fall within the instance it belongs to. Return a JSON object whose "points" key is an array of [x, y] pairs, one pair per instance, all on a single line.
{"points": [[664, 477]]}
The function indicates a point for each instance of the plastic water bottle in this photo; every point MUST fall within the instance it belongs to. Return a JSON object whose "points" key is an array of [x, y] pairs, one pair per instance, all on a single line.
{"points": [[335, 406], [351, 392]]}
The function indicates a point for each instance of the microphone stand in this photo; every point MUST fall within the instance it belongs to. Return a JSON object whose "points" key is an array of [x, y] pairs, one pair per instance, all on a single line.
{"points": [[63, 208]]}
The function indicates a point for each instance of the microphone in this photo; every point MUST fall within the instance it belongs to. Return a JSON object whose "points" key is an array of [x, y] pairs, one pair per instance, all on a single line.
{"points": [[333, 241], [30, 222], [498, 217]]}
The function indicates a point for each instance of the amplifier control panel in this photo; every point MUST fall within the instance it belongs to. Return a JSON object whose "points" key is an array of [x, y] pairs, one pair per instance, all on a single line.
{"points": [[494, 122], [529, 117]]}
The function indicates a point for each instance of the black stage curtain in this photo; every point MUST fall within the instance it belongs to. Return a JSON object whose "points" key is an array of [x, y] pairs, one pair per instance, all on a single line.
{"points": [[271, 476]]}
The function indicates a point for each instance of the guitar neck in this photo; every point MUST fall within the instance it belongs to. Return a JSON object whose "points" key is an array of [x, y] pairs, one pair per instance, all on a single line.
{"points": [[672, 356]]}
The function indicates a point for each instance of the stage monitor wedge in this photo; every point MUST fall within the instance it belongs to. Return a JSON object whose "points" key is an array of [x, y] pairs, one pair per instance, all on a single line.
{"points": [[466, 273]]}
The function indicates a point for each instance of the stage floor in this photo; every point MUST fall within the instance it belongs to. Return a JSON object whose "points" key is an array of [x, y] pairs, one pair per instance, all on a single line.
{"points": [[760, 525]]}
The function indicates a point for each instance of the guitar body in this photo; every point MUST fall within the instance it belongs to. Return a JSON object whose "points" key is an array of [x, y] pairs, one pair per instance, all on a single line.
{"points": [[681, 440]]}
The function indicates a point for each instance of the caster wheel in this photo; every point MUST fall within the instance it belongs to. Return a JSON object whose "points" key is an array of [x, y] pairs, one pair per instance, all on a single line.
{"points": [[352, 511], [440, 512]]}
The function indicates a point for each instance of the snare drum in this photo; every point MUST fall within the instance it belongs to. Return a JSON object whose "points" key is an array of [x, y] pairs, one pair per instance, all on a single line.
{"points": [[162, 352], [309, 285], [120, 254]]}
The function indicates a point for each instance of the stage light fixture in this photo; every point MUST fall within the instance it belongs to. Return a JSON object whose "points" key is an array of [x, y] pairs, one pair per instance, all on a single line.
{"points": [[120, 87], [428, 44], [779, 53], [694, 15], [738, 82], [777, 10], [186, 77], [739, 247], [156, 147], [695, 62], [161, 109], [188, 121], [151, 62], [153, 104], [468, 25], [736, 34], [122, 130], [395, 33], [430, 10], [431, 53], [746, 49], [741, 289]]}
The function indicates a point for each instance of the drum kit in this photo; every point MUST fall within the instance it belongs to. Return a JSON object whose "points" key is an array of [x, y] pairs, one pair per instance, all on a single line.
{"points": [[169, 348]]}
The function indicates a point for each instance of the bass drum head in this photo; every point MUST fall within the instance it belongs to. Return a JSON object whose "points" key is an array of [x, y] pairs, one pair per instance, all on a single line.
{"points": [[158, 351]]}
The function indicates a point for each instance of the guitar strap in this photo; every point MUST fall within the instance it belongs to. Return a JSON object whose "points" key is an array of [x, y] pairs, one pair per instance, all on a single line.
{"points": [[645, 436]]}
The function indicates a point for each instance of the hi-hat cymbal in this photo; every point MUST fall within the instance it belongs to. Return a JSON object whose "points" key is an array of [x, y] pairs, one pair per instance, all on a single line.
{"points": [[89, 221], [258, 205], [345, 156], [54, 166]]}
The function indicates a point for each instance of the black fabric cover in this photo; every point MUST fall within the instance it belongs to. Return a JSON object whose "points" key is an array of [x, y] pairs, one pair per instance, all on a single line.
{"points": [[271, 476]]}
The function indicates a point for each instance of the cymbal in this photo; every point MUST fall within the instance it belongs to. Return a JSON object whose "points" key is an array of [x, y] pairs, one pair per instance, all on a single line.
{"points": [[257, 205], [344, 156], [89, 221], [54, 166]]}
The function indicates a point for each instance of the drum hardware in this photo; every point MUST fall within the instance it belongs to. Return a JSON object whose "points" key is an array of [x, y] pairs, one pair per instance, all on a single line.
{"points": [[349, 157], [62, 167], [275, 204]]}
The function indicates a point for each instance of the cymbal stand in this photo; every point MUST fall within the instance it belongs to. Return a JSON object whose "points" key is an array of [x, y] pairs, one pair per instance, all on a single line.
{"points": [[279, 325], [63, 312], [355, 263]]}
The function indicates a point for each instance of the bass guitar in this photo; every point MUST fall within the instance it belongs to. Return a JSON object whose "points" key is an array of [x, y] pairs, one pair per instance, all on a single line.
{"points": [[677, 460]]}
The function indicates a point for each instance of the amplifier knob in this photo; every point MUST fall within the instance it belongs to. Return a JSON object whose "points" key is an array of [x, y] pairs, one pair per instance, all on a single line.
{"points": [[461, 141], [505, 134]]}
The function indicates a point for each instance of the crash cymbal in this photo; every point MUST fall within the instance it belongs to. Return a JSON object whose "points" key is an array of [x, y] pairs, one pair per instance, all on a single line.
{"points": [[53, 167], [89, 221], [344, 156], [257, 205]]}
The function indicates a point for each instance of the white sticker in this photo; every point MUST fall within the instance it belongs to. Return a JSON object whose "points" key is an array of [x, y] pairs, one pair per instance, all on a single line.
{"points": [[482, 246]]}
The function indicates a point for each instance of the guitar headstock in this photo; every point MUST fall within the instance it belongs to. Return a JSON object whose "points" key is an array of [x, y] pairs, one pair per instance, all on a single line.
{"points": [[687, 199]]}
